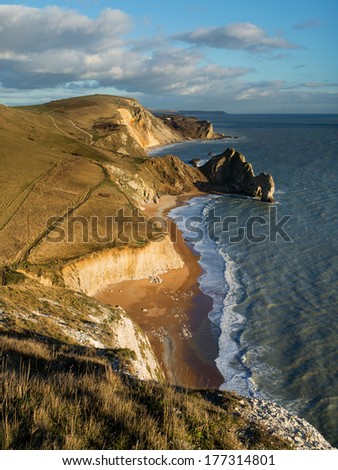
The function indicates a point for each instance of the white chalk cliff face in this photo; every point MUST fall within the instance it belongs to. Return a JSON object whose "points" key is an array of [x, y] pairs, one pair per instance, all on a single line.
{"points": [[144, 364], [74, 318], [144, 128], [92, 273], [132, 128]]}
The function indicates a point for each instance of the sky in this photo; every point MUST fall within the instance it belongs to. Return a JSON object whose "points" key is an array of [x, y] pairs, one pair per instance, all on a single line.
{"points": [[239, 56]]}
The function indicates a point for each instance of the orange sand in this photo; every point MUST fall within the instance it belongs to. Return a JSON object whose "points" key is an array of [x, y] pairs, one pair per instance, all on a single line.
{"points": [[174, 314]]}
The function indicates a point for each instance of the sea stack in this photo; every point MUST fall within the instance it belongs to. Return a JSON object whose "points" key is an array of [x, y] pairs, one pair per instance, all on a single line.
{"points": [[229, 172]]}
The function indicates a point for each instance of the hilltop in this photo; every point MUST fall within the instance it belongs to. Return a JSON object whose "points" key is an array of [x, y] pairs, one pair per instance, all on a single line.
{"points": [[70, 156]]}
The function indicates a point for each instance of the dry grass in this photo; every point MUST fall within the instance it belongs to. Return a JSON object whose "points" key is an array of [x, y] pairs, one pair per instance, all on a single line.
{"points": [[57, 314], [50, 166], [61, 397], [41, 178]]}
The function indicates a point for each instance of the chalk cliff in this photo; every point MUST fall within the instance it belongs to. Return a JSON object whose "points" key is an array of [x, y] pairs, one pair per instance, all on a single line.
{"points": [[94, 272], [123, 126], [61, 315], [155, 177]]}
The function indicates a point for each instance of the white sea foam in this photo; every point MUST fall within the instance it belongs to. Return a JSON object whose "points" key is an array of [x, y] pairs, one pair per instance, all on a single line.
{"points": [[159, 150], [203, 161], [230, 361], [220, 282]]}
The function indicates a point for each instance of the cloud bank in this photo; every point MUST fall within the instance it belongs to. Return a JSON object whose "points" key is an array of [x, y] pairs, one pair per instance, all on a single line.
{"points": [[51, 52], [51, 46]]}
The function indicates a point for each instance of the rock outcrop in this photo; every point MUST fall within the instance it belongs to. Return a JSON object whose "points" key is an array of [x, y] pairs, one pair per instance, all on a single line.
{"points": [[194, 162], [229, 172], [189, 127], [278, 421]]}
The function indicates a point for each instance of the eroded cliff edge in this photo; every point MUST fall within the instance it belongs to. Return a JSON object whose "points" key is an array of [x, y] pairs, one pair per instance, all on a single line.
{"points": [[69, 165], [61, 316], [96, 271]]}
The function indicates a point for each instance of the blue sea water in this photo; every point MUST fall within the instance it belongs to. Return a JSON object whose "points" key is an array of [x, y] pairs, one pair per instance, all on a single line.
{"points": [[275, 301]]}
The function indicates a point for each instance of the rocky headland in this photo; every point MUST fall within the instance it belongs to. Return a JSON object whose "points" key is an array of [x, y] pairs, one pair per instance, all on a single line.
{"points": [[189, 127], [230, 173]]}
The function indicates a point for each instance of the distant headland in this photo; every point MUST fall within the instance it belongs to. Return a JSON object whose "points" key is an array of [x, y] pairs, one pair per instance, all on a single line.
{"points": [[190, 112]]}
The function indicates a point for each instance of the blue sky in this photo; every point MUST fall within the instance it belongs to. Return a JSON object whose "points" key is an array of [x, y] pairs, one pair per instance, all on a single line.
{"points": [[238, 56]]}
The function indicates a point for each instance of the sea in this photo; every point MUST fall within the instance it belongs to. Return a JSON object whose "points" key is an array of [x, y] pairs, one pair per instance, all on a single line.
{"points": [[272, 269]]}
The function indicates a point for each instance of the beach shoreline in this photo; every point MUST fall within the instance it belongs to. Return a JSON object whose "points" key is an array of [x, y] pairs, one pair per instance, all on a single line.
{"points": [[174, 311]]}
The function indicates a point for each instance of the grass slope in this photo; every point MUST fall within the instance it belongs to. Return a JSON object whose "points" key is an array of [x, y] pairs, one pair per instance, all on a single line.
{"points": [[52, 166], [57, 396]]}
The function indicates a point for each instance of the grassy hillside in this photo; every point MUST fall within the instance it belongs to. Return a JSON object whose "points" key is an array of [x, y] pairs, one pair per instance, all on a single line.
{"points": [[57, 396], [57, 162]]}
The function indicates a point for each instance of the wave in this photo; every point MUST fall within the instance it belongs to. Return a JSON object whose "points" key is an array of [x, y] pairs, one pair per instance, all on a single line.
{"points": [[231, 359], [220, 282], [158, 150]]}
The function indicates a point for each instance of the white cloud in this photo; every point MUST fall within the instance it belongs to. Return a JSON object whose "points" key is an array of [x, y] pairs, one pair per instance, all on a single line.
{"points": [[245, 36], [34, 30]]}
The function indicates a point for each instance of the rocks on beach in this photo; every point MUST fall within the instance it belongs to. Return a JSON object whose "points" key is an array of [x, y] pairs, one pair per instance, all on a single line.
{"points": [[277, 420]]}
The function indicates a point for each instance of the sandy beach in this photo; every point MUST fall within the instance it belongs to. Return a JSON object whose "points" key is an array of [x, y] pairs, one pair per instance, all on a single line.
{"points": [[174, 313]]}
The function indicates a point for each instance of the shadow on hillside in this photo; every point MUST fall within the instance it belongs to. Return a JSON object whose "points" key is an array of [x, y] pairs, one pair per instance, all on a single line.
{"points": [[41, 355]]}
